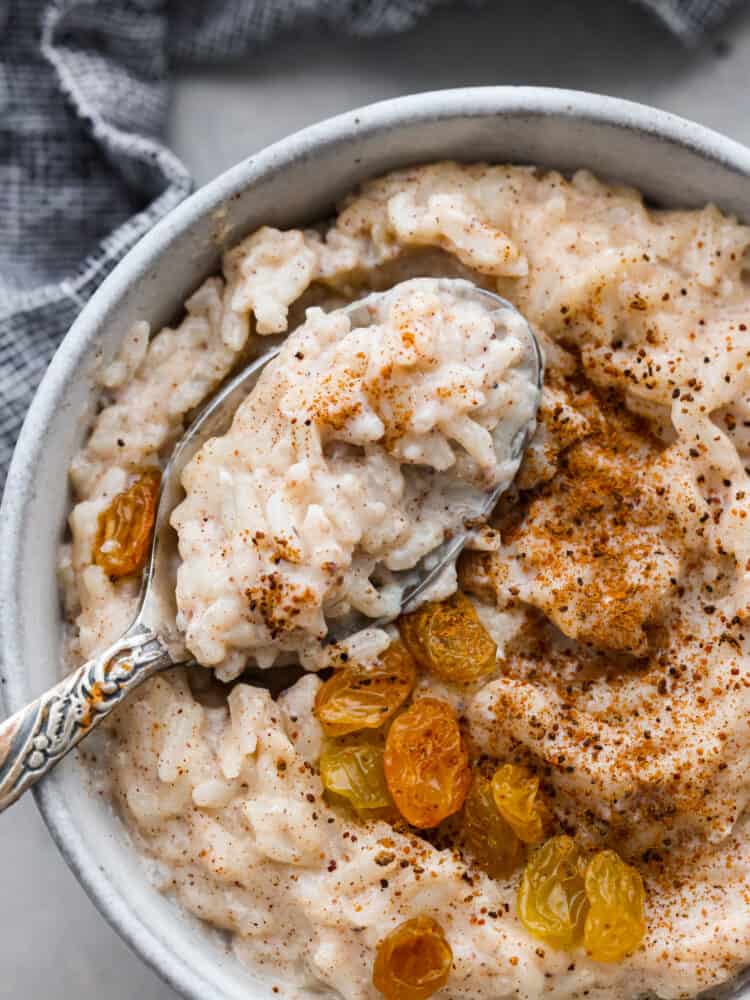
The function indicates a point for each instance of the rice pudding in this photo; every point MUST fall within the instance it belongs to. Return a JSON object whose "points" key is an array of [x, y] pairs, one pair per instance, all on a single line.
{"points": [[540, 786]]}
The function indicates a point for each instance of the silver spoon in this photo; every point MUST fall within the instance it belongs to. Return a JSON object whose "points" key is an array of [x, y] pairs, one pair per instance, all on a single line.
{"points": [[34, 739]]}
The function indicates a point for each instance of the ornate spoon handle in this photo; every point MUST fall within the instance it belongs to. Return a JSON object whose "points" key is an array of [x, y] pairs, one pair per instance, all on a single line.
{"points": [[34, 739]]}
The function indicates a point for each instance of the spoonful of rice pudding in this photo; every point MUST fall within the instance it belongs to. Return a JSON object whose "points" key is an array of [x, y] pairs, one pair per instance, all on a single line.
{"points": [[325, 489]]}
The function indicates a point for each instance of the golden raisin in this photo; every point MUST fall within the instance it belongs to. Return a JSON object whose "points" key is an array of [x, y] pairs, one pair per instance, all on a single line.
{"points": [[615, 925], [123, 533], [490, 839], [364, 697], [426, 763], [413, 961], [516, 793], [448, 639], [552, 902], [355, 773]]}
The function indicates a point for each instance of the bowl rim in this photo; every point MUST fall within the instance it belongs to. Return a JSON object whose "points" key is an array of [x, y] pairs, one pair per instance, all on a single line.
{"points": [[369, 120]]}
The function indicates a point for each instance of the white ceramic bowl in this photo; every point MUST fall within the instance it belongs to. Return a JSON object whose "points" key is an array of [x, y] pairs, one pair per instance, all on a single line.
{"points": [[298, 180]]}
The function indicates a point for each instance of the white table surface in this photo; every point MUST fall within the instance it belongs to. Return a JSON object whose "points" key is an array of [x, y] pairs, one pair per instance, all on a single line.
{"points": [[53, 943]]}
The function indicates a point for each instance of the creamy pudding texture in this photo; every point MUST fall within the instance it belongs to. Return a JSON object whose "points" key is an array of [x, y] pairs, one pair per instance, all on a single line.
{"points": [[362, 448], [614, 580]]}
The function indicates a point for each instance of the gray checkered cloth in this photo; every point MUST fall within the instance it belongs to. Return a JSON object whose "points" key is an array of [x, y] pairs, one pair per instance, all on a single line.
{"points": [[84, 172]]}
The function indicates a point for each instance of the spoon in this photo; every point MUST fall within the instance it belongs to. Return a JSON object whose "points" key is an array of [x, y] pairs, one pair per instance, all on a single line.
{"points": [[34, 739]]}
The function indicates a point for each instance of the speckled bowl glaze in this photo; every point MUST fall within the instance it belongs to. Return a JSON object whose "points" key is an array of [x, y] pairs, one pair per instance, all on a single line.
{"points": [[297, 180]]}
